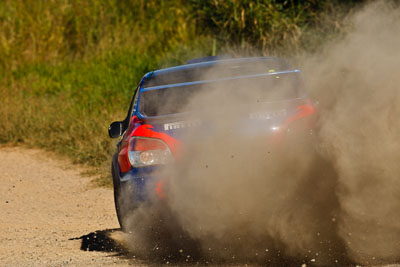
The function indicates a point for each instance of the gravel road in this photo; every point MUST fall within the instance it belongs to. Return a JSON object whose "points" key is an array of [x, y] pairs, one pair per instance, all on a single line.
{"points": [[49, 213]]}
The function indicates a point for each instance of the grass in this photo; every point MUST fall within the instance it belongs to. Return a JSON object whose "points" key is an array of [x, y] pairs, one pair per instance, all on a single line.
{"points": [[67, 107], [69, 67]]}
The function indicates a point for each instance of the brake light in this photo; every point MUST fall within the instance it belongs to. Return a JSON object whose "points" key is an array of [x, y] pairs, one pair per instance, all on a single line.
{"points": [[144, 151], [302, 121]]}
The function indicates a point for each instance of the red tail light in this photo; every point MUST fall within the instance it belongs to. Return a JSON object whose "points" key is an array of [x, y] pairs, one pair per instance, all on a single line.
{"points": [[143, 144]]}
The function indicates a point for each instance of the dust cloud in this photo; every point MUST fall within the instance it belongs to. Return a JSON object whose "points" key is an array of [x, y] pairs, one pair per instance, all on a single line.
{"points": [[358, 83], [331, 197]]}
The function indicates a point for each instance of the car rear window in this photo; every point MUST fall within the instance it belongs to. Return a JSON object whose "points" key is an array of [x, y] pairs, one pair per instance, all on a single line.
{"points": [[251, 90]]}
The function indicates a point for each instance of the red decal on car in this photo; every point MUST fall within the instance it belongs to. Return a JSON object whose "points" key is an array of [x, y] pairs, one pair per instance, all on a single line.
{"points": [[146, 130]]}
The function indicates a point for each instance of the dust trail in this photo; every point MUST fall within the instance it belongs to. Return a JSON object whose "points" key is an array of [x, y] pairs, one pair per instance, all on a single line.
{"points": [[329, 198], [244, 197], [238, 194], [357, 80]]}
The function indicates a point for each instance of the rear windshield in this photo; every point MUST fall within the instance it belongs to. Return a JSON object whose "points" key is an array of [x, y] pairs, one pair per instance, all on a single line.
{"points": [[250, 91]]}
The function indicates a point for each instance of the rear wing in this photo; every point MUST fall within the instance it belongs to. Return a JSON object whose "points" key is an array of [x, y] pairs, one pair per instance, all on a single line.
{"points": [[218, 80]]}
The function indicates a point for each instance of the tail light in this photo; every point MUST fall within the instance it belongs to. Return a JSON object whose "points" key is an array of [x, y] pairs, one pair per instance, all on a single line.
{"points": [[144, 151], [302, 123]]}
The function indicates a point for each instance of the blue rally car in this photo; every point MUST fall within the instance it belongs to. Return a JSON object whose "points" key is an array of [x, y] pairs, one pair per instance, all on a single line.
{"points": [[150, 133]]}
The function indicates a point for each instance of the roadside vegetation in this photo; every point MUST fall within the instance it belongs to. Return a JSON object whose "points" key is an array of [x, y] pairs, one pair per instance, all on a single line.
{"points": [[69, 67]]}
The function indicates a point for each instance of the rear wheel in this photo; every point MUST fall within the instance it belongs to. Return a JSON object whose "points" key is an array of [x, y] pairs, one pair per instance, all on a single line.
{"points": [[117, 190], [122, 208]]}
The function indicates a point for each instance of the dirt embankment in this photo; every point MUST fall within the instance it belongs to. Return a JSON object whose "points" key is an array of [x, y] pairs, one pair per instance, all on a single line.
{"points": [[49, 214]]}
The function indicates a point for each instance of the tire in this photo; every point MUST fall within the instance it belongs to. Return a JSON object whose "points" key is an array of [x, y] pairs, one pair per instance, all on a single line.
{"points": [[117, 189], [123, 208]]}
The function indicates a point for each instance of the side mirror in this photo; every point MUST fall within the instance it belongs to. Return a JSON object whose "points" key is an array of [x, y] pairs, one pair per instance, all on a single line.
{"points": [[115, 129]]}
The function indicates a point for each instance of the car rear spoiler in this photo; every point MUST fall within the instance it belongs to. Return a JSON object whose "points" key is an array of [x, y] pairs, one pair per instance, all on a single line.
{"points": [[219, 80]]}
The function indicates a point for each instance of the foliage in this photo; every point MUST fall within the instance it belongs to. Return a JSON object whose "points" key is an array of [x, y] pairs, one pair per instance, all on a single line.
{"points": [[69, 67], [272, 26]]}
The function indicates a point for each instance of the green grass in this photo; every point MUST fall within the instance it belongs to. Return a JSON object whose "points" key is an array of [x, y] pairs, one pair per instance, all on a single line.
{"points": [[67, 107], [69, 67]]}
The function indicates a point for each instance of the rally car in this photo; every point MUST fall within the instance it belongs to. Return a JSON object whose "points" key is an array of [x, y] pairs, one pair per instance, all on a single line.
{"points": [[158, 114]]}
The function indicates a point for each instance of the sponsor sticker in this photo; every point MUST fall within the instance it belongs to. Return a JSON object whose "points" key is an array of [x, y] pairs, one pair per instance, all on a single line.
{"points": [[267, 115], [181, 124]]}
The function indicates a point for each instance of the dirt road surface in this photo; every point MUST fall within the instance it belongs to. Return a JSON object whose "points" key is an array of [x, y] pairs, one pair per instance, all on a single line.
{"points": [[49, 213]]}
